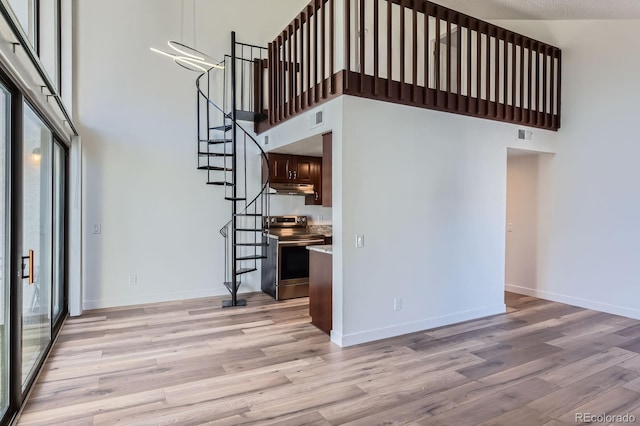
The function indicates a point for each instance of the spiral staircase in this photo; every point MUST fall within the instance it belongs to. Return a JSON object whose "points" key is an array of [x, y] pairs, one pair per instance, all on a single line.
{"points": [[227, 98]]}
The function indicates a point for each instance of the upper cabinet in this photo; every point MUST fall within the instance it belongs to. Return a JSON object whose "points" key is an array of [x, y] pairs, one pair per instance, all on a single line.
{"points": [[285, 168], [279, 168], [327, 158], [316, 171], [302, 168]]}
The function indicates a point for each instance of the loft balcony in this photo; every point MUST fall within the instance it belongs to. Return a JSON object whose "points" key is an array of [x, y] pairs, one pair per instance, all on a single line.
{"points": [[410, 52]]}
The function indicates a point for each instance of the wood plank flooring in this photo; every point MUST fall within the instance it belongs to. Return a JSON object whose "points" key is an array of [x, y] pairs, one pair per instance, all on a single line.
{"points": [[193, 363]]}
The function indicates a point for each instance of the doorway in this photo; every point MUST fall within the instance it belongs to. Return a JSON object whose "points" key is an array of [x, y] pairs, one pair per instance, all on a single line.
{"points": [[526, 218]]}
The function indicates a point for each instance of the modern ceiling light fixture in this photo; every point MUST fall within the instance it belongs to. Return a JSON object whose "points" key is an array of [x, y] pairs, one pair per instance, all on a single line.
{"points": [[187, 57], [201, 63]]}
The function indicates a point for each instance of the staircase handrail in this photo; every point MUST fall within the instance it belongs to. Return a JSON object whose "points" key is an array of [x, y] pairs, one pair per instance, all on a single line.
{"points": [[265, 185]]}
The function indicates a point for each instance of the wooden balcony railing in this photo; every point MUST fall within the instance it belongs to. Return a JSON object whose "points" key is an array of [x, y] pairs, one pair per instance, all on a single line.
{"points": [[412, 52]]}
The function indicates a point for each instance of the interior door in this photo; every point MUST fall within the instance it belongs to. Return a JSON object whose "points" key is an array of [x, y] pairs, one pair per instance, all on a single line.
{"points": [[36, 241]]}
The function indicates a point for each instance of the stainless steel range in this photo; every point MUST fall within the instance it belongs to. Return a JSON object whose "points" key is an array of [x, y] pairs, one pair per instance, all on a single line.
{"points": [[285, 271]]}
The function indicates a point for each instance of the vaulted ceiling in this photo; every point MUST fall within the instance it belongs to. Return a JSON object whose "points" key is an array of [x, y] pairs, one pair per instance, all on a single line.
{"points": [[546, 9]]}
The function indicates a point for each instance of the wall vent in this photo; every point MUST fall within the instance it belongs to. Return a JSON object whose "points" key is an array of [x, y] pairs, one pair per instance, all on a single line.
{"points": [[317, 119], [525, 135]]}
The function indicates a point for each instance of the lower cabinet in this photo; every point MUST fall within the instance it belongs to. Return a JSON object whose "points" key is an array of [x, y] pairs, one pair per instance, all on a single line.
{"points": [[320, 290]]}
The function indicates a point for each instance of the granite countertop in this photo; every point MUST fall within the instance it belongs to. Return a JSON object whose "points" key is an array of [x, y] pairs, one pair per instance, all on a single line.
{"points": [[327, 249]]}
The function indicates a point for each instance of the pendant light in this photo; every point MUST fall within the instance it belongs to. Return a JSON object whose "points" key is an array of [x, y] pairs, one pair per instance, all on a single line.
{"points": [[186, 56]]}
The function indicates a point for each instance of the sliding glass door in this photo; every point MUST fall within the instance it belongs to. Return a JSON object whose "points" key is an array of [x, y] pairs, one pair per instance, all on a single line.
{"points": [[59, 231], [5, 132], [36, 241]]}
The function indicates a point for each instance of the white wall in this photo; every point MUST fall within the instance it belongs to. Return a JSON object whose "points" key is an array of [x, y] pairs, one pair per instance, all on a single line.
{"points": [[521, 260], [592, 250], [136, 113], [428, 191]]}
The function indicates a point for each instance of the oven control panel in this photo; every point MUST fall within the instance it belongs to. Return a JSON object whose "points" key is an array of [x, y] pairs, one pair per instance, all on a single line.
{"points": [[285, 222]]}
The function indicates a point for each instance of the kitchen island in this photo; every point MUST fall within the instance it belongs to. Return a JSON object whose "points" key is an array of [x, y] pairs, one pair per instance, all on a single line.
{"points": [[320, 286]]}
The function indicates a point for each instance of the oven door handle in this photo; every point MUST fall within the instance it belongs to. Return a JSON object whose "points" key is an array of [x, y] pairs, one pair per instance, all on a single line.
{"points": [[300, 242]]}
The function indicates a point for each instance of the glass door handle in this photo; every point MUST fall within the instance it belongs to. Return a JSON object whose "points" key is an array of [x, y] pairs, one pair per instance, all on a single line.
{"points": [[30, 258]]}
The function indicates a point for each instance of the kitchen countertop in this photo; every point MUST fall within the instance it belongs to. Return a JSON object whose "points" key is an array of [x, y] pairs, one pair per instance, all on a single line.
{"points": [[327, 249]]}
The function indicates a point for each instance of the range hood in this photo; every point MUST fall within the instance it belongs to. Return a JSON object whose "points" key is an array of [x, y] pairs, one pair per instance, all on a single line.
{"points": [[292, 188]]}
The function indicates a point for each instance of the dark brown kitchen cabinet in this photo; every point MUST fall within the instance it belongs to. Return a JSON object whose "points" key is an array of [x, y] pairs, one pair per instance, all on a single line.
{"points": [[316, 170], [325, 179], [302, 168], [278, 168], [322, 176], [320, 290], [285, 168]]}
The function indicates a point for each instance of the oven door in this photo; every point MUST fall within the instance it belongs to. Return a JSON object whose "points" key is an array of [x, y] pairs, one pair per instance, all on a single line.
{"points": [[293, 268]]}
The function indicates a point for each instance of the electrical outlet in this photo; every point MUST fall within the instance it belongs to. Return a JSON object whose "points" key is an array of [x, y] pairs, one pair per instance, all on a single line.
{"points": [[133, 279], [359, 241], [509, 227], [397, 304]]}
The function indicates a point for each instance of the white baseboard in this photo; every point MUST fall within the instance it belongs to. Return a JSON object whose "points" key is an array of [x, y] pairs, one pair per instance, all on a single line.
{"points": [[149, 298], [575, 301], [351, 339]]}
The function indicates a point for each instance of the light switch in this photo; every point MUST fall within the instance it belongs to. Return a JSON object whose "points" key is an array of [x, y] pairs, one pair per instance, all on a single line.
{"points": [[97, 228], [359, 241]]}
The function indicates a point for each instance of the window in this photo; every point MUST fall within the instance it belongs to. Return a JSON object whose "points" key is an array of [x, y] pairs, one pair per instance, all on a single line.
{"points": [[27, 13]]}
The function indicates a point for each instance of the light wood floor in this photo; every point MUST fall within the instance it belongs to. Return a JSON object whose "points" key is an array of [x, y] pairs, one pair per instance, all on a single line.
{"points": [[191, 363]]}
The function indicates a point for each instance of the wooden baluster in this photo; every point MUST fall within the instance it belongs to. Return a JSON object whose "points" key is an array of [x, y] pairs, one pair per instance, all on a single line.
{"points": [[347, 44], [376, 47], [323, 49], [478, 69], [402, 49], [488, 75], [521, 109], [448, 71], [389, 47], [310, 85], [538, 84], [530, 96], [362, 46], [552, 78], [332, 45], [544, 85], [558, 121], [290, 73], [303, 100], [280, 78], [436, 66], [294, 90], [414, 60], [316, 12], [459, 65], [496, 75], [271, 86], [514, 68], [505, 75], [468, 93], [426, 55]]}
